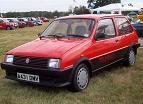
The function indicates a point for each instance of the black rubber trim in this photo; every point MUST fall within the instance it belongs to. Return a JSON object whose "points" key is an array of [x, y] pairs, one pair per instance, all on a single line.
{"points": [[47, 77]]}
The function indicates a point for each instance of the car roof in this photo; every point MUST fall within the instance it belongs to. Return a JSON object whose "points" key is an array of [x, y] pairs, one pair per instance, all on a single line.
{"points": [[92, 16]]}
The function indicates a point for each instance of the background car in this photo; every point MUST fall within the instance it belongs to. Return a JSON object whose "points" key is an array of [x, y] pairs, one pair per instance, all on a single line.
{"points": [[44, 19], [39, 21], [21, 24], [138, 25], [5, 24], [28, 23], [35, 21], [12, 20]]}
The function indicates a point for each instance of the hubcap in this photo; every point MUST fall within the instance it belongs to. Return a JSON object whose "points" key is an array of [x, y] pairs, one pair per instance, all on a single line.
{"points": [[8, 28], [82, 78], [132, 58]]}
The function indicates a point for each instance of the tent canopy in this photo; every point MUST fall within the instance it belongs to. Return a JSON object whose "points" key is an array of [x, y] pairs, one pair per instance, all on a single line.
{"points": [[117, 7]]}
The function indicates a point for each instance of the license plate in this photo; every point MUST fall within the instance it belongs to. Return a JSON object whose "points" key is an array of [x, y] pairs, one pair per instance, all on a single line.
{"points": [[28, 77]]}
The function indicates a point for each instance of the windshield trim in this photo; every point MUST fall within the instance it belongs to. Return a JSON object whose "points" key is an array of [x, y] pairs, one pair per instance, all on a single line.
{"points": [[72, 18]]}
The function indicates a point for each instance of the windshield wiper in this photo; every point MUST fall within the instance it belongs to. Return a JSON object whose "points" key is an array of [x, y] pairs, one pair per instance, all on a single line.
{"points": [[76, 36], [57, 35]]}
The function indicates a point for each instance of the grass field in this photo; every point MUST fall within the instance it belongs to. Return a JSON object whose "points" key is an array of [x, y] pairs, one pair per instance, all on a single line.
{"points": [[120, 85]]}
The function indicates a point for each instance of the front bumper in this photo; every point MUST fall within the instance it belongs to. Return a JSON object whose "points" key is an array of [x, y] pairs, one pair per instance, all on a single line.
{"points": [[47, 77]]}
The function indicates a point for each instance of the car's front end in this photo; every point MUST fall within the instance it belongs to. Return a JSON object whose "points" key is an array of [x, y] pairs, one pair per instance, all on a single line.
{"points": [[37, 70]]}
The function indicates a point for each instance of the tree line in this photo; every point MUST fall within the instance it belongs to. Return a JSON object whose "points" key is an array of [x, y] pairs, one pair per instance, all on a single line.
{"points": [[76, 10], [92, 4]]}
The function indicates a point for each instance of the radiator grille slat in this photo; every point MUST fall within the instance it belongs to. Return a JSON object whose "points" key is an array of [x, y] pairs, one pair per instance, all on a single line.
{"points": [[32, 61]]}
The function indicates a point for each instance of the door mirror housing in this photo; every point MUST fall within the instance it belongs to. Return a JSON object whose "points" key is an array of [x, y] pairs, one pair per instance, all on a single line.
{"points": [[99, 36], [39, 35]]}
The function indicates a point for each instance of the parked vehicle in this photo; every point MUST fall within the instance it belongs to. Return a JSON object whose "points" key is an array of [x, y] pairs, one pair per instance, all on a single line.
{"points": [[21, 24], [35, 21], [39, 21], [44, 19], [71, 49], [12, 20], [138, 25], [28, 23], [140, 17], [6, 25]]}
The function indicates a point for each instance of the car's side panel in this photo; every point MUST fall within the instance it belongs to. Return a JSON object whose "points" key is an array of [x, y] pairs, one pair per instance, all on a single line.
{"points": [[2, 25]]}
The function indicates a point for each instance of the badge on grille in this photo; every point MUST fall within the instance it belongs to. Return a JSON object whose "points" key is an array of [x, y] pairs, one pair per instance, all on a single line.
{"points": [[27, 61]]}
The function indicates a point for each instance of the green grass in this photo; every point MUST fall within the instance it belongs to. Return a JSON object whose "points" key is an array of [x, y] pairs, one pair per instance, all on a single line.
{"points": [[121, 85]]}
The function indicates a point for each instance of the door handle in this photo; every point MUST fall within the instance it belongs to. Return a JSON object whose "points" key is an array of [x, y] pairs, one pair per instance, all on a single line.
{"points": [[117, 40]]}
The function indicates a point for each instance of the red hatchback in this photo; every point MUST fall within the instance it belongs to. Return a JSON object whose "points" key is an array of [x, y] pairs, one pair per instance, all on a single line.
{"points": [[6, 25], [71, 49]]}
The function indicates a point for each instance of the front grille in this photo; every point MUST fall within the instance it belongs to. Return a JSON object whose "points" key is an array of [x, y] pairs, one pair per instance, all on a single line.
{"points": [[31, 61]]}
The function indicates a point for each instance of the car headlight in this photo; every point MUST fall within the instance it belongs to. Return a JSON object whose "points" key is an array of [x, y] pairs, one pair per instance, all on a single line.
{"points": [[9, 58], [54, 63]]}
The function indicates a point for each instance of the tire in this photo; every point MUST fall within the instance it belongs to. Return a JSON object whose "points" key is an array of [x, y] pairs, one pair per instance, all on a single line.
{"points": [[131, 58], [80, 79], [8, 28]]}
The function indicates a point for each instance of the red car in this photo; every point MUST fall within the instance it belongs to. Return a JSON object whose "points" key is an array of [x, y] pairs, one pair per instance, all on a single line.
{"points": [[17, 22], [71, 49], [28, 23], [44, 19], [6, 25], [12, 20]]}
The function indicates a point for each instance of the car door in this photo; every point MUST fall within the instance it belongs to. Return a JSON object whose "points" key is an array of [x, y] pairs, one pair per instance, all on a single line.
{"points": [[104, 44]]}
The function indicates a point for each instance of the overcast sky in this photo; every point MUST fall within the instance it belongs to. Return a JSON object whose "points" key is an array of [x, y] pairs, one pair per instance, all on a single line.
{"points": [[41, 5]]}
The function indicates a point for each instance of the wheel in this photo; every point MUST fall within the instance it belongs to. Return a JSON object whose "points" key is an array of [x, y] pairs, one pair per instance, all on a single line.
{"points": [[131, 58], [8, 28], [80, 79]]}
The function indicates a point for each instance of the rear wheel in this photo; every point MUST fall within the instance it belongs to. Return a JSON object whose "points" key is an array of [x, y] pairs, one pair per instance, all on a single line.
{"points": [[8, 28], [80, 78], [131, 58]]}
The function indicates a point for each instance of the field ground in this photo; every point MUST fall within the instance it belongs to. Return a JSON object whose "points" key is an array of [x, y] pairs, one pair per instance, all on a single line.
{"points": [[120, 85]]}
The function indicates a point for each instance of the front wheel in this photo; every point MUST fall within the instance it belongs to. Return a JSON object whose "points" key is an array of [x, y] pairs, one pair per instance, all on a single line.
{"points": [[131, 58], [80, 78]]}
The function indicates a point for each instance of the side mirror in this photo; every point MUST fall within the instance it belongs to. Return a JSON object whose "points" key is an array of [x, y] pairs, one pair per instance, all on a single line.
{"points": [[99, 36], [39, 34]]}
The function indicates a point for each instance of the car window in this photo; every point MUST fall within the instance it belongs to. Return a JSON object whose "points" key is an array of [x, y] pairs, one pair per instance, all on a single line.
{"points": [[123, 26], [105, 29]]}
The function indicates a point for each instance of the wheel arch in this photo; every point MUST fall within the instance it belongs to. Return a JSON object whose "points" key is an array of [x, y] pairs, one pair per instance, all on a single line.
{"points": [[134, 46], [85, 61]]}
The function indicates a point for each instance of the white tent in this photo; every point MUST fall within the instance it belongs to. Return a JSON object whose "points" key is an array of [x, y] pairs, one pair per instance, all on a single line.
{"points": [[116, 7]]}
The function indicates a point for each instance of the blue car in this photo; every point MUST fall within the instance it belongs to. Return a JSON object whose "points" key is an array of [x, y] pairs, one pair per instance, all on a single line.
{"points": [[138, 25]]}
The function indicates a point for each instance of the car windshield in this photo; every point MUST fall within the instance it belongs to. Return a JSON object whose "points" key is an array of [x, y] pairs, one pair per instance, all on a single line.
{"points": [[11, 20], [15, 19], [70, 28], [34, 19], [25, 19]]}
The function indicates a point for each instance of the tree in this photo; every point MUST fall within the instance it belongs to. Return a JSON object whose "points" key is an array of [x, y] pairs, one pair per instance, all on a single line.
{"points": [[99, 3], [81, 10]]}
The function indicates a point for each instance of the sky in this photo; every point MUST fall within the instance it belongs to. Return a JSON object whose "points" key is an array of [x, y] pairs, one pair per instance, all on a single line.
{"points": [[42, 5]]}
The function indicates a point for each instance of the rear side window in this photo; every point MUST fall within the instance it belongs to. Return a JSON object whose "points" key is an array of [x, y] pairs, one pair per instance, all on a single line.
{"points": [[106, 28], [123, 26]]}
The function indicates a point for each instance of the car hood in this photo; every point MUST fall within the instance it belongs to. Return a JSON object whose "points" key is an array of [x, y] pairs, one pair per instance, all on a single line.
{"points": [[53, 48]]}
